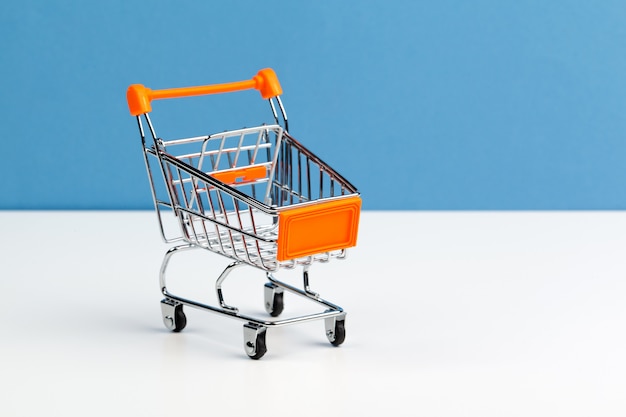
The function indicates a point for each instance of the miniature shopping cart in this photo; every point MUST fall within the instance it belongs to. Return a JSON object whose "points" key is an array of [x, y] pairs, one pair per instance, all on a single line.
{"points": [[254, 195]]}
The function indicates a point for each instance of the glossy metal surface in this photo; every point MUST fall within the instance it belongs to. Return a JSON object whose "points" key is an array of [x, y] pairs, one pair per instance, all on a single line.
{"points": [[238, 220]]}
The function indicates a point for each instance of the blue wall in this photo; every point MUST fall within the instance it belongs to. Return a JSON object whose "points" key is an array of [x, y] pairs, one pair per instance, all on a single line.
{"points": [[421, 104]]}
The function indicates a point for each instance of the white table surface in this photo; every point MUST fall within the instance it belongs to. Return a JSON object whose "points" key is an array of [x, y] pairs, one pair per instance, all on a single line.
{"points": [[449, 314]]}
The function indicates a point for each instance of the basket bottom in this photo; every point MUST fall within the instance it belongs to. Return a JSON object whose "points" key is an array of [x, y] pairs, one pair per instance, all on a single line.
{"points": [[259, 252]]}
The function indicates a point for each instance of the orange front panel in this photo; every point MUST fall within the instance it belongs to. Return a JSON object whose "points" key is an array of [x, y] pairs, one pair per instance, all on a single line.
{"points": [[318, 228]]}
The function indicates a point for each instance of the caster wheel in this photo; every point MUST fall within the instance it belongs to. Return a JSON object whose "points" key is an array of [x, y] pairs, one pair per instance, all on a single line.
{"points": [[173, 316], [180, 319], [274, 304], [336, 330], [254, 341]]}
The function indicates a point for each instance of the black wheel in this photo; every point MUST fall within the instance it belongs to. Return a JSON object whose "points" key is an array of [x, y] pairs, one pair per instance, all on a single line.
{"points": [[277, 305], [180, 320], [259, 346], [339, 334]]}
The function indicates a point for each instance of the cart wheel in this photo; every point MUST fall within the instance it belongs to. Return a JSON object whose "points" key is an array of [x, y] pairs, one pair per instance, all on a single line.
{"points": [[254, 341], [274, 304], [180, 319], [336, 330], [173, 316]]}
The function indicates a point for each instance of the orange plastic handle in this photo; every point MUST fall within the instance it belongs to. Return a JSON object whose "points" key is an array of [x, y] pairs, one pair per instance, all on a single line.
{"points": [[139, 97]]}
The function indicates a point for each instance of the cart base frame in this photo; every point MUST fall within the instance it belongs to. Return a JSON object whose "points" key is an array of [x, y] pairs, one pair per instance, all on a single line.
{"points": [[254, 328]]}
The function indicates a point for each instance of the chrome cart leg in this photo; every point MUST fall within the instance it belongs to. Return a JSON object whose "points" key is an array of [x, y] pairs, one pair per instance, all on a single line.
{"points": [[218, 286], [172, 311], [165, 263], [335, 329], [173, 316], [307, 287], [274, 304], [254, 340]]}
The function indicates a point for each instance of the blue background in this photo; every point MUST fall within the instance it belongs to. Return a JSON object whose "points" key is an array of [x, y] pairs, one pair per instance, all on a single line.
{"points": [[421, 104]]}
